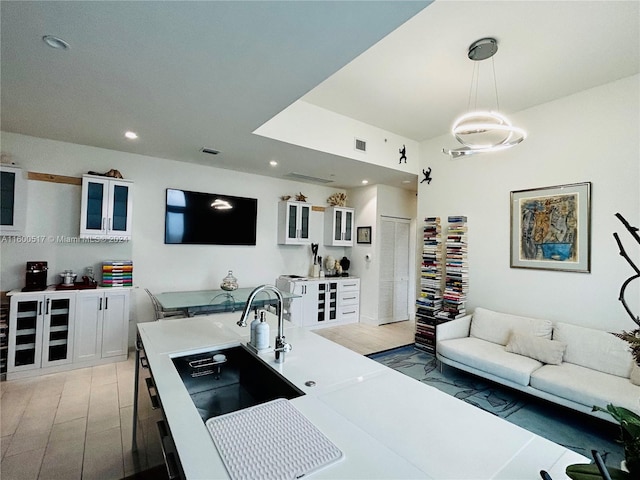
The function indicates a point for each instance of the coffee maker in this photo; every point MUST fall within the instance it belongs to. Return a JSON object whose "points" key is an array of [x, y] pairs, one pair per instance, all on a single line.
{"points": [[35, 277]]}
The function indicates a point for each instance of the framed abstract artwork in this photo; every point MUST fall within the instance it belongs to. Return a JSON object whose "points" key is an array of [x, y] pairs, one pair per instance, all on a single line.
{"points": [[551, 228]]}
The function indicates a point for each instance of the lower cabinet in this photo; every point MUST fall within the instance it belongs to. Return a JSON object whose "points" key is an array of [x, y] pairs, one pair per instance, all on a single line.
{"points": [[66, 329], [152, 443], [102, 333], [40, 330], [323, 302]]}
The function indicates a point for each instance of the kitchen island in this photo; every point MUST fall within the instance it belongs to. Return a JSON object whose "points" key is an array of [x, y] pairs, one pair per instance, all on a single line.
{"points": [[386, 424]]}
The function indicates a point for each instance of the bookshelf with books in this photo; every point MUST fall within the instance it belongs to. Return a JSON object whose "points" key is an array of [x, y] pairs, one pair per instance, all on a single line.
{"points": [[429, 301], [456, 287]]}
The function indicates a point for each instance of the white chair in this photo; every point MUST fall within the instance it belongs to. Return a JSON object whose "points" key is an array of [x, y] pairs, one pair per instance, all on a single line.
{"points": [[161, 314]]}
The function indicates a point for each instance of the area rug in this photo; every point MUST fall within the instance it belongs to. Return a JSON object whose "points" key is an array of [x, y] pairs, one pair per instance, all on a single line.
{"points": [[575, 431]]}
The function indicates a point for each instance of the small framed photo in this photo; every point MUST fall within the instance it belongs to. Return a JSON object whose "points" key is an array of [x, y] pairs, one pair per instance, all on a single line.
{"points": [[551, 228], [364, 235]]}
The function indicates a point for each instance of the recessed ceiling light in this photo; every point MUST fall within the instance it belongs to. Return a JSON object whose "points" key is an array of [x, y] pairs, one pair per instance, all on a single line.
{"points": [[273, 163], [364, 182], [130, 135], [55, 42]]}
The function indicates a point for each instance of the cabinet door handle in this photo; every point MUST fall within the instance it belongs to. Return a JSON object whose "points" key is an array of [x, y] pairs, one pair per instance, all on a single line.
{"points": [[348, 313], [144, 362], [46, 310], [155, 404], [349, 298], [40, 308], [110, 223], [100, 304], [103, 223], [169, 457], [106, 303]]}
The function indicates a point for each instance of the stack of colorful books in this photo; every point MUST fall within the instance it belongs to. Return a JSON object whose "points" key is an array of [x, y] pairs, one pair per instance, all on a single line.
{"points": [[456, 270], [429, 302], [118, 273]]}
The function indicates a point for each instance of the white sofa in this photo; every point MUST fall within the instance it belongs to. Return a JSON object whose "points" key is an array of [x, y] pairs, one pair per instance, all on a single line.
{"points": [[567, 364]]}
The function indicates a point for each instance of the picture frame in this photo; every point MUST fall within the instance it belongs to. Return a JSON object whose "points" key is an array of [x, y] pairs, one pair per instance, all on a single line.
{"points": [[363, 235], [551, 228]]}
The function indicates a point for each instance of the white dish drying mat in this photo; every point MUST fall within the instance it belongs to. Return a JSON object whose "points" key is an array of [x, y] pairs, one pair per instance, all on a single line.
{"points": [[272, 440]]}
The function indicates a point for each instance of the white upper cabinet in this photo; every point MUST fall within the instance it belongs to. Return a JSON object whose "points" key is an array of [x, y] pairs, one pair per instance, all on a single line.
{"points": [[293, 223], [13, 200], [338, 226], [106, 209]]}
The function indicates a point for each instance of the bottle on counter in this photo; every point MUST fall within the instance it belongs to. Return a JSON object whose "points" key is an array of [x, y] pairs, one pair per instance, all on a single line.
{"points": [[262, 332], [254, 324]]}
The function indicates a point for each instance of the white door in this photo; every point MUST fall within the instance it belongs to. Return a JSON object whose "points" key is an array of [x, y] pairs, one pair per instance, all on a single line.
{"points": [[393, 297]]}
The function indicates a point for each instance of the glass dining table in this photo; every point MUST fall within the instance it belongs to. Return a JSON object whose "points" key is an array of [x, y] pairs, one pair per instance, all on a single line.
{"points": [[199, 302]]}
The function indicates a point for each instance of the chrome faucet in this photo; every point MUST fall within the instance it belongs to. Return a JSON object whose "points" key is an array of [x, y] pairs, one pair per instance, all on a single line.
{"points": [[281, 346]]}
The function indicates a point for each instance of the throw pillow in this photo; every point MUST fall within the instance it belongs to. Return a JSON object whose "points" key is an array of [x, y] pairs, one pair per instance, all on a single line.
{"points": [[635, 373], [543, 350]]}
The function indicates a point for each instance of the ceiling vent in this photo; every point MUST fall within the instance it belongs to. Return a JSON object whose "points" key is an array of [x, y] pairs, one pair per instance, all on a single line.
{"points": [[361, 145], [210, 151], [307, 178]]}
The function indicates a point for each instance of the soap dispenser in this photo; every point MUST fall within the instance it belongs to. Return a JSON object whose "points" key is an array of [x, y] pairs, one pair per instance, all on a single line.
{"points": [[262, 332], [254, 324]]}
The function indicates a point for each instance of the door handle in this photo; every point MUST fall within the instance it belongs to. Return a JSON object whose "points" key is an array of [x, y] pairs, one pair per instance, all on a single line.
{"points": [[100, 304], [40, 308], [106, 303], [46, 310]]}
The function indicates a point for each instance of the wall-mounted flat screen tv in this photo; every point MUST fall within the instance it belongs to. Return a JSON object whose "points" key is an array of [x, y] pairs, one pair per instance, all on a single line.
{"points": [[198, 218]]}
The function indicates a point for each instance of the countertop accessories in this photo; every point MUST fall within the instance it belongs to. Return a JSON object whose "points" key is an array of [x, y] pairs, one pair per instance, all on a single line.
{"points": [[281, 347], [271, 440]]}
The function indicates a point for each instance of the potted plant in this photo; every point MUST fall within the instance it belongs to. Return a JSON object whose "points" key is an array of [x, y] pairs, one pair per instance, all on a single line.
{"points": [[629, 421]]}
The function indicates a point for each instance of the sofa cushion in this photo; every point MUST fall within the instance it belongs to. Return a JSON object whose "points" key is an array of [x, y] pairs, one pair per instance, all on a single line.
{"points": [[542, 349], [586, 386], [594, 349], [496, 327], [489, 357]]}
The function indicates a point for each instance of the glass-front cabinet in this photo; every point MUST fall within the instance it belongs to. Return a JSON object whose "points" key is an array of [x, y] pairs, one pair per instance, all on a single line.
{"points": [[338, 226], [106, 208], [293, 223], [40, 330], [13, 200]]}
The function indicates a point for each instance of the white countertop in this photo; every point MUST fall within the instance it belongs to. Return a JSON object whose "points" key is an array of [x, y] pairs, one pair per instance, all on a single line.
{"points": [[388, 425]]}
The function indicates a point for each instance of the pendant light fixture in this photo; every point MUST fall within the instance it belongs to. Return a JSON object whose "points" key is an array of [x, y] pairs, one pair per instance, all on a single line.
{"points": [[483, 131]]}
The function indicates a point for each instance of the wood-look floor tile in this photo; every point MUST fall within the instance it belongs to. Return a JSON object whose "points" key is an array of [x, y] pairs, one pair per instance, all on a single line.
{"points": [[103, 456], [24, 466]]}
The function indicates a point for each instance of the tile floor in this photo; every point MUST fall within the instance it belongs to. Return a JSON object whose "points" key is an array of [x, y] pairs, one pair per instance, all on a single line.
{"points": [[77, 424], [68, 425]]}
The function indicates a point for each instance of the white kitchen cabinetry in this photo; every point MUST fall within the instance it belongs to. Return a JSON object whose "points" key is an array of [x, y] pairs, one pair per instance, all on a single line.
{"points": [[13, 200], [106, 207], [293, 223], [322, 301], [338, 226], [40, 330], [66, 329], [103, 331], [349, 300]]}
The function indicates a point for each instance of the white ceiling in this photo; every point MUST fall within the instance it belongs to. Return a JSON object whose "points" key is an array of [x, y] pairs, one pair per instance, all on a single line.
{"points": [[187, 75]]}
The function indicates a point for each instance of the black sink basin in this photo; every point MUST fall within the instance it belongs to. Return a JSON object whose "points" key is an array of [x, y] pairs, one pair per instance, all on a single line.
{"points": [[240, 380]]}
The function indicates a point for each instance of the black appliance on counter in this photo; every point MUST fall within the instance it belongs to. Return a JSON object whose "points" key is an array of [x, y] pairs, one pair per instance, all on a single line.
{"points": [[36, 277]]}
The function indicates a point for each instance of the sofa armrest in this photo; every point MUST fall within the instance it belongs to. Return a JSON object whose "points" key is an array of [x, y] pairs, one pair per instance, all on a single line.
{"points": [[458, 328]]}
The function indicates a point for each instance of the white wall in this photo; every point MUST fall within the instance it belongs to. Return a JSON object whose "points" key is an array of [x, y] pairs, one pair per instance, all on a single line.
{"points": [[592, 136], [317, 128], [371, 203], [54, 209]]}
